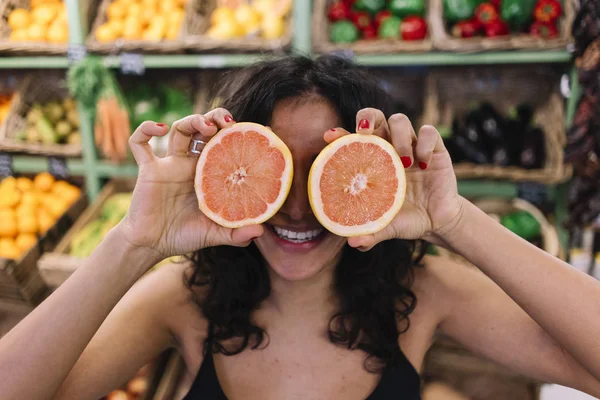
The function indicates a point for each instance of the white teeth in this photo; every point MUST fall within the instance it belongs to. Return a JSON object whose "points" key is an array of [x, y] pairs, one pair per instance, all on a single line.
{"points": [[297, 237]]}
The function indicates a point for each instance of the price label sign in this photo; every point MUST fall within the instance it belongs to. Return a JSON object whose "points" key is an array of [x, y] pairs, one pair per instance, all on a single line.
{"points": [[211, 61], [58, 167], [6, 165], [76, 52], [132, 64]]}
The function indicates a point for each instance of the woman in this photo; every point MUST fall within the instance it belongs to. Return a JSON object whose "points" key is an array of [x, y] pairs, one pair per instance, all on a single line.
{"points": [[258, 316]]}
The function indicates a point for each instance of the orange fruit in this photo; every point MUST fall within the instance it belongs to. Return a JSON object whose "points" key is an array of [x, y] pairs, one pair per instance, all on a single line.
{"points": [[43, 182], [29, 198], [44, 219], [19, 35], [44, 14], [356, 185], [132, 29], [24, 184], [9, 197], [106, 33], [19, 18], [9, 249], [243, 175], [25, 241], [27, 224], [221, 14], [58, 33], [8, 223], [272, 26], [116, 27], [36, 33], [116, 10]]}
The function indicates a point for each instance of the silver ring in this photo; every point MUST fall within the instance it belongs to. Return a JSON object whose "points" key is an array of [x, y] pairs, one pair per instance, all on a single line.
{"points": [[196, 146]]}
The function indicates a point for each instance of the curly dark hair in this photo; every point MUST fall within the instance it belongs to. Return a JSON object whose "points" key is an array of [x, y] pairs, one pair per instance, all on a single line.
{"points": [[373, 287]]}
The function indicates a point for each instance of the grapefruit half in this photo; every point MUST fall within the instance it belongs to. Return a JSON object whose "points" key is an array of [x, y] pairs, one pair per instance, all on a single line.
{"points": [[356, 185], [243, 175]]}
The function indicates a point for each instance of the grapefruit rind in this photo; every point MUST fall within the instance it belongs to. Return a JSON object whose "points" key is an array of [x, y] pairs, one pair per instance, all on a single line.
{"points": [[314, 190], [286, 176]]}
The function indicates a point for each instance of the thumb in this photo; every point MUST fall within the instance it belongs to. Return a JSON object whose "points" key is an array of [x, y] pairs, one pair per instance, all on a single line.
{"points": [[367, 242], [242, 237]]}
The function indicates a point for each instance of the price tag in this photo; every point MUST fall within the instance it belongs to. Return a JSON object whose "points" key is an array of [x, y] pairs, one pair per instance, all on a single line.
{"points": [[6, 165], [347, 54], [58, 167], [211, 61], [535, 193], [132, 64], [76, 52]]}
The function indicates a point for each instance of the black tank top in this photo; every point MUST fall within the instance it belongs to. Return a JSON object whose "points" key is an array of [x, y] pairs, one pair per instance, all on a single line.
{"points": [[398, 382]]}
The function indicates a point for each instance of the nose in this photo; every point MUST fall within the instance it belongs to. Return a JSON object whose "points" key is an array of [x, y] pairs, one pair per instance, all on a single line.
{"points": [[297, 206]]}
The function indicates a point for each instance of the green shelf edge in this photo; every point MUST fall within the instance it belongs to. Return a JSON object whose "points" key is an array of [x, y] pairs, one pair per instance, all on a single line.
{"points": [[34, 62], [35, 164]]}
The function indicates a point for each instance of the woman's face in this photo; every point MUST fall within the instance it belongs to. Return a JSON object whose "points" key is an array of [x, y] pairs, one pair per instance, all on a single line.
{"points": [[295, 245]]}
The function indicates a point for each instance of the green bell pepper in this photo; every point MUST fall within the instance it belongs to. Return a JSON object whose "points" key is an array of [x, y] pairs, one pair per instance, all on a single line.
{"points": [[343, 32], [390, 28], [404, 8], [370, 6], [458, 10], [517, 13], [522, 223]]}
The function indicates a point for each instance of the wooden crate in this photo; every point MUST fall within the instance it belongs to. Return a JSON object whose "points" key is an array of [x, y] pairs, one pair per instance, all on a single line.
{"points": [[20, 281], [57, 266], [474, 376]]}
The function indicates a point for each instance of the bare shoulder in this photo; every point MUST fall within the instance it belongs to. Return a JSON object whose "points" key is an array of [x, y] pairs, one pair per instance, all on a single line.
{"points": [[166, 294]]}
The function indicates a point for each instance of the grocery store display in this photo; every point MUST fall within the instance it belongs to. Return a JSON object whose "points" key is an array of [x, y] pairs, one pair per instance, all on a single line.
{"points": [[96, 87], [135, 389], [466, 25], [266, 19], [356, 185], [158, 102], [485, 136], [43, 21], [55, 122], [5, 103], [244, 175], [371, 26], [28, 208]]}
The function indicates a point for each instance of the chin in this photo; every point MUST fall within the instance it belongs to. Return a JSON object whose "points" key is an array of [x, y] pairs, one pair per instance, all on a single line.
{"points": [[299, 253]]}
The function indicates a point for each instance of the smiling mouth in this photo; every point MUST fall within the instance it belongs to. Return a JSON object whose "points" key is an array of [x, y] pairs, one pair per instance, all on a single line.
{"points": [[297, 236]]}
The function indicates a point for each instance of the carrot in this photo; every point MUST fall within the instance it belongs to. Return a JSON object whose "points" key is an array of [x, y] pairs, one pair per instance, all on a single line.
{"points": [[118, 122], [108, 143], [98, 133], [125, 131]]}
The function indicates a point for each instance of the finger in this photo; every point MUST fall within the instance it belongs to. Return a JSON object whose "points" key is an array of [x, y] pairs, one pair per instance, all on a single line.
{"points": [[371, 121], [221, 117], [197, 126], [429, 142], [367, 242], [139, 141], [240, 237], [334, 134], [403, 138]]}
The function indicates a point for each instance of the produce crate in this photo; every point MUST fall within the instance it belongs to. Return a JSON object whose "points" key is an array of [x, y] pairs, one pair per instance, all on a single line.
{"points": [[36, 88], [321, 43], [451, 92], [474, 376], [191, 18], [26, 47], [57, 266], [20, 281], [196, 37], [443, 40]]}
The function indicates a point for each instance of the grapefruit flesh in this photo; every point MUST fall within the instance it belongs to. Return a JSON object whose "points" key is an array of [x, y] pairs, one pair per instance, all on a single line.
{"points": [[356, 185], [243, 175]]}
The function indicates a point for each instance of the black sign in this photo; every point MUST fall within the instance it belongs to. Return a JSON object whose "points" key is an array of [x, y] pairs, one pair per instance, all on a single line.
{"points": [[535, 193], [58, 167], [6, 165], [132, 64], [76, 52]]}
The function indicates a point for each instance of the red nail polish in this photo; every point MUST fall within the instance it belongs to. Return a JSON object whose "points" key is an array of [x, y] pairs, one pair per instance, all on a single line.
{"points": [[333, 129], [406, 161], [363, 124], [422, 165], [209, 123], [228, 118], [161, 125]]}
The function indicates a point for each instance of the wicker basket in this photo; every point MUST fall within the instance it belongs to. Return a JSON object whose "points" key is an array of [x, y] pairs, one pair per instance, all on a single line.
{"points": [[474, 376], [445, 41], [145, 46], [498, 206], [321, 43], [452, 91], [34, 89], [196, 39]]}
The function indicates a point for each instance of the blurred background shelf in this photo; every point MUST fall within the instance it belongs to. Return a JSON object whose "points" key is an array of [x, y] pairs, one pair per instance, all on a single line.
{"points": [[34, 62]]}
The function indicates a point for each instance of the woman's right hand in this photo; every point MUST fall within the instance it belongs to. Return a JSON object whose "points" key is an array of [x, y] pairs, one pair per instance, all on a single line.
{"points": [[164, 216]]}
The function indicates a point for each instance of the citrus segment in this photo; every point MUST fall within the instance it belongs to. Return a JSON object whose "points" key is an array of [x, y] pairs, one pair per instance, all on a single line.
{"points": [[356, 185], [243, 175]]}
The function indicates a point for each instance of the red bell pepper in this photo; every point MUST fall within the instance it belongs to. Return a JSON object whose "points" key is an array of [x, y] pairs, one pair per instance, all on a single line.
{"points": [[338, 11], [486, 14], [547, 10], [413, 28], [381, 16], [361, 19], [466, 29], [369, 33], [544, 30], [496, 28], [496, 3]]}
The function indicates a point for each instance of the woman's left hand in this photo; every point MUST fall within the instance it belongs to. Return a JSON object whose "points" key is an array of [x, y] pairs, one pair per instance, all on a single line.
{"points": [[432, 204]]}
